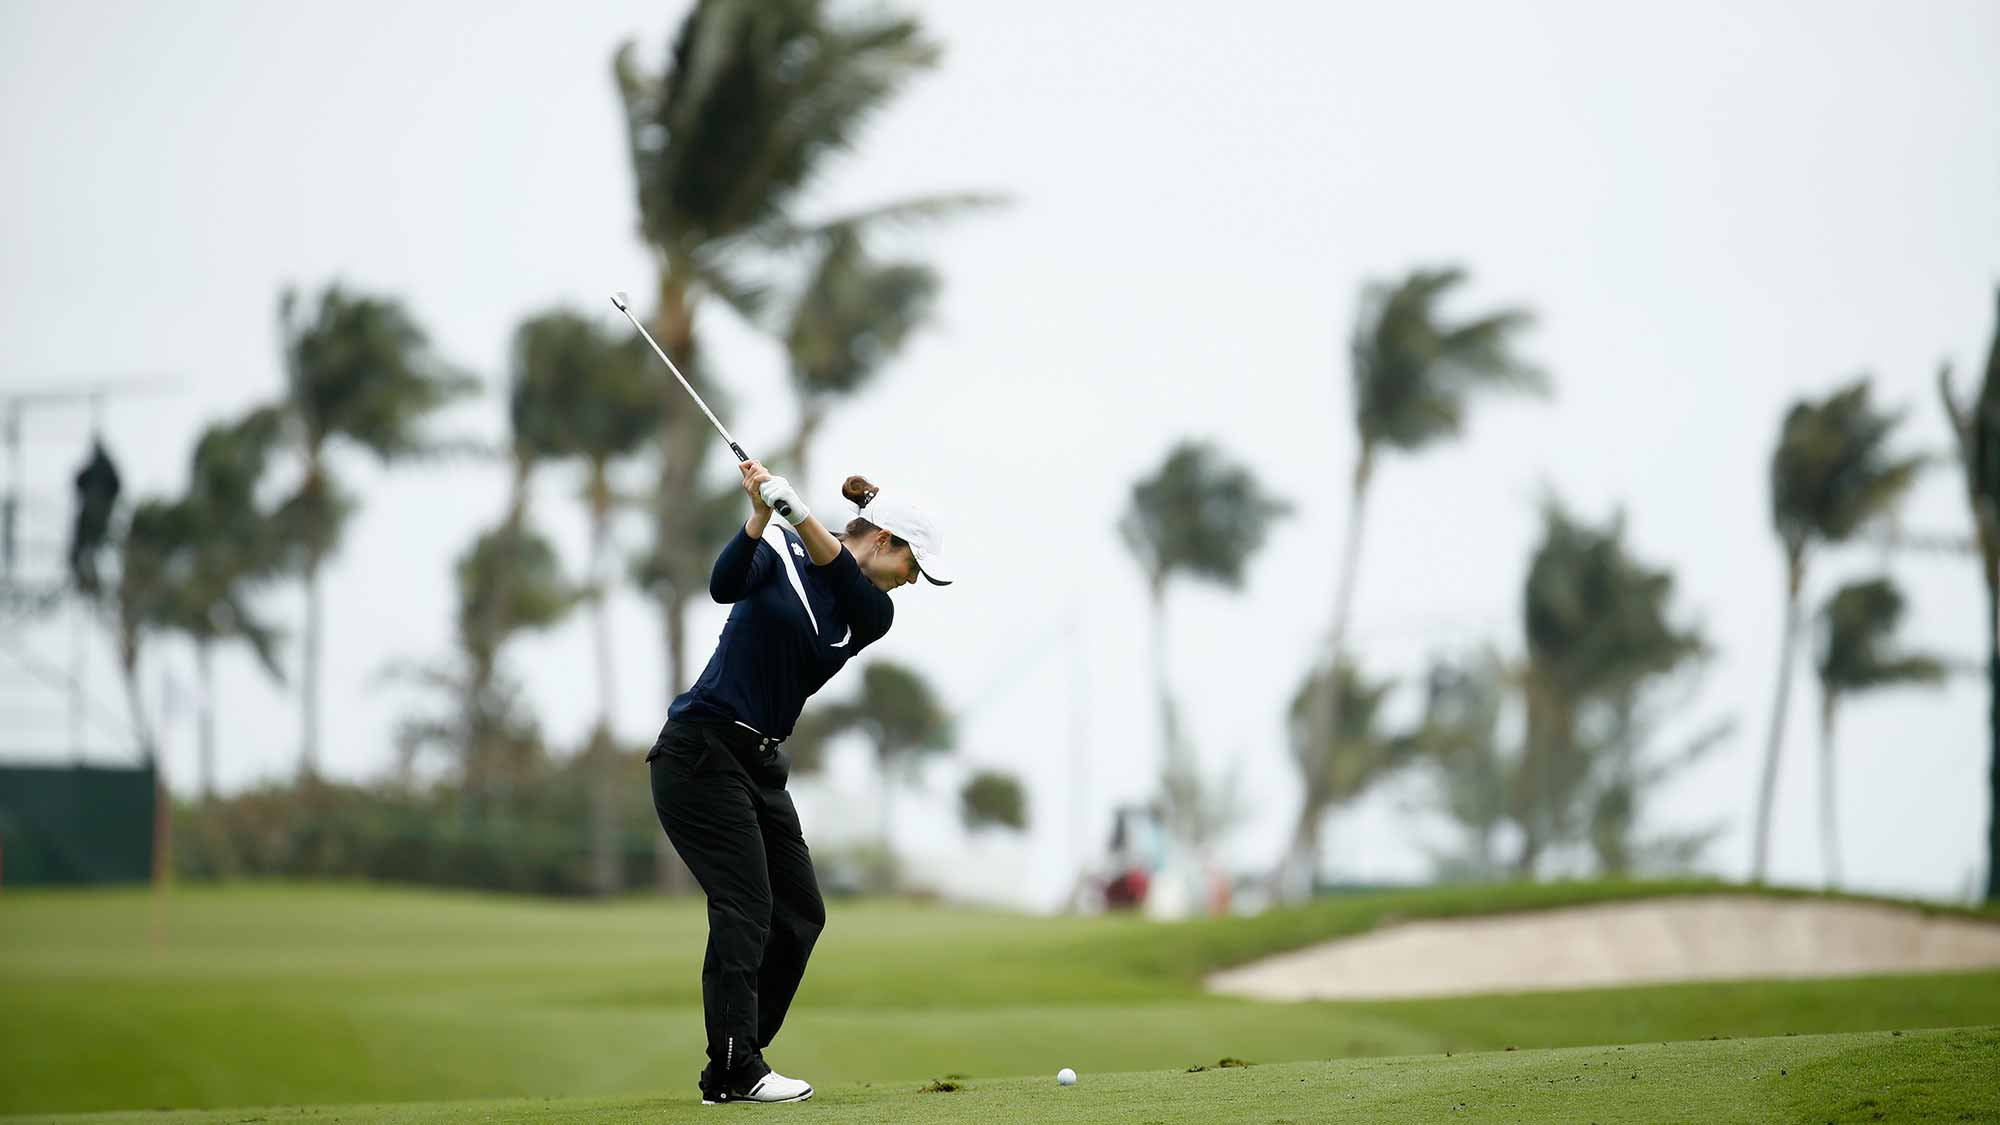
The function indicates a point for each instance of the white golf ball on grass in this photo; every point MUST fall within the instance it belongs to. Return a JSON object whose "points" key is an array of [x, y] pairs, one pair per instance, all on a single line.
{"points": [[1065, 1077]]}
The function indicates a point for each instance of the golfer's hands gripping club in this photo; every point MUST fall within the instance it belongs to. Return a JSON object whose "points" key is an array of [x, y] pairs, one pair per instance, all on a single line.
{"points": [[769, 492], [779, 494]]}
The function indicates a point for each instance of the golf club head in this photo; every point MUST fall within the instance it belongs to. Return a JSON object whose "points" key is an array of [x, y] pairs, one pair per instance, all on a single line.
{"points": [[621, 301]]}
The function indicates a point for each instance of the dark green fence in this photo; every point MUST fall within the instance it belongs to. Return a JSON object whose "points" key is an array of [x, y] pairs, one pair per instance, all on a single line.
{"points": [[75, 824]]}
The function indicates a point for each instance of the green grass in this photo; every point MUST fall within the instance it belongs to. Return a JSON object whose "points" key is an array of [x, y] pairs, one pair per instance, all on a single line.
{"points": [[1871, 1076], [319, 995]]}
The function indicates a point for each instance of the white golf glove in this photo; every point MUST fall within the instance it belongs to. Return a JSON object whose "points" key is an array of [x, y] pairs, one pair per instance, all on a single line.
{"points": [[780, 495]]}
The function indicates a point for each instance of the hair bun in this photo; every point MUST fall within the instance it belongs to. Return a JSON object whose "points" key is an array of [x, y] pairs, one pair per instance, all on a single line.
{"points": [[858, 491]]}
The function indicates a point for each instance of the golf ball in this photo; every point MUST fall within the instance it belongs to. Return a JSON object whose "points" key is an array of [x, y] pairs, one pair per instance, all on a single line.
{"points": [[1066, 1077]]}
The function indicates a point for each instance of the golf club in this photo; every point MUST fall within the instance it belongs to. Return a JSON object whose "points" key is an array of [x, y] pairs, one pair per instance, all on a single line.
{"points": [[624, 304]]}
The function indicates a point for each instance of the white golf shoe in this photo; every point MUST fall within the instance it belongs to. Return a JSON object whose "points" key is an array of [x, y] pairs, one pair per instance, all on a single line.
{"points": [[771, 1088]]}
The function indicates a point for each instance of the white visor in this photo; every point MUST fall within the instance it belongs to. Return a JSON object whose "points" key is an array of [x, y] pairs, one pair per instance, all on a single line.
{"points": [[914, 526]]}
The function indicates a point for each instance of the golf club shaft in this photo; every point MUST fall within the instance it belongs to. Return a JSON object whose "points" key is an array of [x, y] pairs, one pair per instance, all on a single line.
{"points": [[624, 305]]}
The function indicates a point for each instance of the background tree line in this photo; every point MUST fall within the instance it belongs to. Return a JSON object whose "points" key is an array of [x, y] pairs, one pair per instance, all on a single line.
{"points": [[723, 155], [1543, 761], [1543, 757]]}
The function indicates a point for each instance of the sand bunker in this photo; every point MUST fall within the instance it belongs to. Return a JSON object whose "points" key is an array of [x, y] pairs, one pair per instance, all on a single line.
{"points": [[1718, 937]]}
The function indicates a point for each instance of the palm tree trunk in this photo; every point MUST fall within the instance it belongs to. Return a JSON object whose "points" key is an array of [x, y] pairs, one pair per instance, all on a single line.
{"points": [[1173, 754], [142, 728], [604, 765], [674, 322], [1170, 734], [680, 461], [479, 740], [1829, 836], [1350, 558], [1534, 797], [314, 485], [1993, 733], [601, 760], [673, 630], [1304, 854], [811, 417], [1767, 788], [680, 465], [205, 669], [1530, 854], [679, 678], [888, 810], [600, 613], [309, 676], [1301, 864], [484, 651]]}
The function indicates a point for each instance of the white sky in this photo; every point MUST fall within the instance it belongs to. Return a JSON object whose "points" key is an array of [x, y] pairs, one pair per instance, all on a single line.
{"points": [[1714, 207]]}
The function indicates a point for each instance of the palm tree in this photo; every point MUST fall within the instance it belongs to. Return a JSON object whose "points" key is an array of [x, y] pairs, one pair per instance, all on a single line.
{"points": [[1459, 734], [897, 711], [358, 370], [155, 572], [1978, 437], [1831, 473], [674, 566], [1858, 625], [155, 565], [1611, 813], [1413, 374], [1202, 516], [598, 399], [852, 318], [1359, 756], [582, 391], [1598, 632], [752, 100], [993, 799], [236, 550], [509, 581]]}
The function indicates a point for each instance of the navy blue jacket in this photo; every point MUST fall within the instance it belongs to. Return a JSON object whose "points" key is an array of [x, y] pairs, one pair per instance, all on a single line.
{"points": [[774, 653]]}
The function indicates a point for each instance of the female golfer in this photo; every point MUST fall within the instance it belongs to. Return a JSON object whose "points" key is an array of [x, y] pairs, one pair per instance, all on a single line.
{"points": [[805, 602]]}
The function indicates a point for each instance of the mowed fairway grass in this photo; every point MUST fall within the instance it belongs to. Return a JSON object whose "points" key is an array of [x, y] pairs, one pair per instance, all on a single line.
{"points": [[1871, 1076], [274, 995]]}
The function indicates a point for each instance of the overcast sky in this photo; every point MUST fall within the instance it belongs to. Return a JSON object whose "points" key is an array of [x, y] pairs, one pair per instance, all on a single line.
{"points": [[1713, 207]]}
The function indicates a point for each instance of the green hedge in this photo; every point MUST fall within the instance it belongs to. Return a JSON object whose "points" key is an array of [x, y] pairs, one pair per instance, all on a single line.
{"points": [[535, 842]]}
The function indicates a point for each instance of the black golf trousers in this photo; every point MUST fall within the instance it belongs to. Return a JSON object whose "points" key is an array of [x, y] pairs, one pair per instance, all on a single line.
{"points": [[720, 792]]}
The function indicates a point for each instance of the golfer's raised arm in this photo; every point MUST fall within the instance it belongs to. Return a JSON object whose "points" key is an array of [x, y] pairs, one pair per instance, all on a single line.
{"points": [[738, 569]]}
